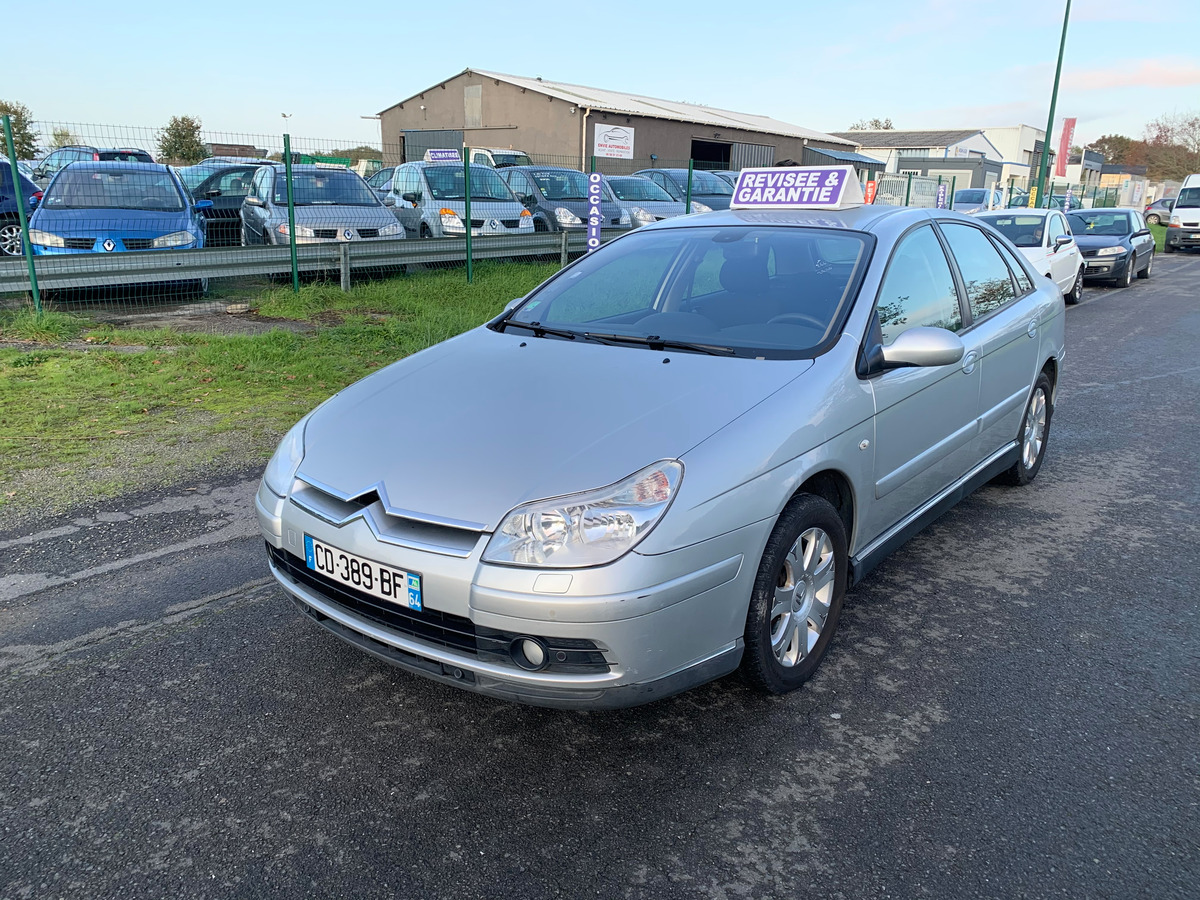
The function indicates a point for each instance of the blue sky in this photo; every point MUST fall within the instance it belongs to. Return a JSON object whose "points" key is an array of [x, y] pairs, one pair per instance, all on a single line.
{"points": [[924, 63]]}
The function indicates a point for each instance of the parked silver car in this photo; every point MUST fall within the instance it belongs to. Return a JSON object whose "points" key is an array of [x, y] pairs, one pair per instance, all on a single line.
{"points": [[331, 203], [671, 458], [429, 200], [644, 200]]}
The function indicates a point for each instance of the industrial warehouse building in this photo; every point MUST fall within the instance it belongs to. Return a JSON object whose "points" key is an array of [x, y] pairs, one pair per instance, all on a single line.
{"points": [[569, 124]]}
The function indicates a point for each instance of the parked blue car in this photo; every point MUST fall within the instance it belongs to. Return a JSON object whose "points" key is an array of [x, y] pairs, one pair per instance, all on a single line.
{"points": [[111, 207]]}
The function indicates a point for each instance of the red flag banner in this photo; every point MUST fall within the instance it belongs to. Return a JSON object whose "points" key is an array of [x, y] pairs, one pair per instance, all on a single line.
{"points": [[1064, 148]]}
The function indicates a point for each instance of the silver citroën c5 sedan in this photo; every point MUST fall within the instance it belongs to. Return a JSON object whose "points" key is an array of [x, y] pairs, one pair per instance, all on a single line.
{"points": [[672, 458]]}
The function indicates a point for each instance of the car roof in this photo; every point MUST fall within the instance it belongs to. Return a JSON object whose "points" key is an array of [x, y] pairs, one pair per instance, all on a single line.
{"points": [[1107, 209], [537, 168], [111, 165], [855, 218], [1016, 211], [310, 167]]}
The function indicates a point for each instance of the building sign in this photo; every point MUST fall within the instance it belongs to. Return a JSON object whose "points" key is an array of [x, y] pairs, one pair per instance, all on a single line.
{"points": [[613, 141], [941, 196], [442, 156], [595, 211], [1064, 148], [798, 187]]}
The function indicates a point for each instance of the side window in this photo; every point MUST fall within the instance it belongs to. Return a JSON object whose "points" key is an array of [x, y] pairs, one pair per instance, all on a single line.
{"points": [[985, 275], [520, 184], [1024, 285], [1138, 224], [235, 183], [1054, 228], [414, 184], [918, 288], [258, 187]]}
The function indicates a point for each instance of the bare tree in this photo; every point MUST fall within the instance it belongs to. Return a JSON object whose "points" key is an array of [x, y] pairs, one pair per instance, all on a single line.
{"points": [[873, 125]]}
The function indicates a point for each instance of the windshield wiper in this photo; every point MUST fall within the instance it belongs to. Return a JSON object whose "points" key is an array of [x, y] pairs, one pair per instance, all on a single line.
{"points": [[539, 329], [654, 342]]}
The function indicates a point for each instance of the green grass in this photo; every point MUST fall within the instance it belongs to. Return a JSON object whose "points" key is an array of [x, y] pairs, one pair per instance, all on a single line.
{"points": [[164, 400], [1160, 236]]}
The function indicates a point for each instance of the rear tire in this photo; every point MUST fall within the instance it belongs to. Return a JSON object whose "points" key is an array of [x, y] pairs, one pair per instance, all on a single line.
{"points": [[1145, 273], [1033, 435], [10, 239], [1152, 219], [797, 596]]}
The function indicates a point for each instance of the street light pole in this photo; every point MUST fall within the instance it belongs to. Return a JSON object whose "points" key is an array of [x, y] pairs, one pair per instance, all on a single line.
{"points": [[1044, 168]]}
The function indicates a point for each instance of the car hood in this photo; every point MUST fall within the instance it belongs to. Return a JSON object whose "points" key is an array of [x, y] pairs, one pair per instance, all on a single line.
{"points": [[662, 208], [1096, 241], [472, 427], [103, 222]]}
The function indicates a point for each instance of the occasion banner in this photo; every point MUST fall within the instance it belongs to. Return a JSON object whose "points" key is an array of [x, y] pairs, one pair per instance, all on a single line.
{"points": [[595, 211], [799, 187]]}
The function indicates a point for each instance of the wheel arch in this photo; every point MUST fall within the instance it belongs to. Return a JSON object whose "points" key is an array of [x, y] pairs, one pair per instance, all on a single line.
{"points": [[833, 486]]}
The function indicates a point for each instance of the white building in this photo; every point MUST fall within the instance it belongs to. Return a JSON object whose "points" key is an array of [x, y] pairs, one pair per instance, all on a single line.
{"points": [[1020, 148], [892, 147]]}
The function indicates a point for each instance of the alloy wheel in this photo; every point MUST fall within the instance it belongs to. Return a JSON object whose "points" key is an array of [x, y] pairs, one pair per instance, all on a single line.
{"points": [[802, 597], [1035, 429], [10, 239]]}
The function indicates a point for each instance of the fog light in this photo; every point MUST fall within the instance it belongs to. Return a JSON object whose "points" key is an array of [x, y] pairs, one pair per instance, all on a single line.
{"points": [[528, 653]]}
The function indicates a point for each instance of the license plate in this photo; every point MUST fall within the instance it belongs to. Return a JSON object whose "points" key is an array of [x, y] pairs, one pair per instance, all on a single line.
{"points": [[1194, 237], [376, 579]]}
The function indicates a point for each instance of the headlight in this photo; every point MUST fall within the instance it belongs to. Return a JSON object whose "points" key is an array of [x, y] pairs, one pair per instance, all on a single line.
{"points": [[451, 220], [46, 239], [175, 239], [281, 470], [390, 230], [1176, 222], [697, 206], [640, 216], [624, 220], [588, 529], [1110, 251], [301, 230], [526, 219], [566, 217]]}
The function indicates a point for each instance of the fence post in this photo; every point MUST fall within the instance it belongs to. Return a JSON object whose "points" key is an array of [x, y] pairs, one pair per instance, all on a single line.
{"points": [[908, 189], [287, 173], [467, 204], [345, 248], [687, 203], [26, 249], [562, 255], [953, 182]]}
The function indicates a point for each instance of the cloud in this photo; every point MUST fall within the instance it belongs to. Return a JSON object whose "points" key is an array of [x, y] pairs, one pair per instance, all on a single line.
{"points": [[1151, 73]]}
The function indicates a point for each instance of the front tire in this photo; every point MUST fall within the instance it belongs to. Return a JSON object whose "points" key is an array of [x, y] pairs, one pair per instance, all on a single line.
{"points": [[1145, 273], [797, 596], [1033, 435], [1076, 292], [1126, 278]]}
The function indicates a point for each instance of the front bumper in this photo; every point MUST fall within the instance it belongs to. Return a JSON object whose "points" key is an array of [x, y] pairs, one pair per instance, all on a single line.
{"points": [[1183, 237], [1106, 266], [658, 624]]}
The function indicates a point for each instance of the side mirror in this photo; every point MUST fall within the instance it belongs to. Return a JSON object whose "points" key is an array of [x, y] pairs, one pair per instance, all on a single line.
{"points": [[1143, 233], [202, 205], [526, 199], [1061, 241], [389, 200], [33, 201], [39, 172], [924, 347], [252, 201], [409, 197]]}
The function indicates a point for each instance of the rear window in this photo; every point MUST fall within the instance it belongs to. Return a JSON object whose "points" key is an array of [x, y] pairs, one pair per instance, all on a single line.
{"points": [[970, 197], [1023, 231], [126, 156]]}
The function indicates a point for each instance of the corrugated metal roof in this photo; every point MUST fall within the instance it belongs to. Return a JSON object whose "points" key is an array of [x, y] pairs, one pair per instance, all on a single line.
{"points": [[845, 156], [907, 139], [637, 105]]}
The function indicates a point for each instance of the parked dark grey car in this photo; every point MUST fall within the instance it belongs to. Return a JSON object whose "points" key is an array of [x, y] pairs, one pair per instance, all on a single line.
{"points": [[1116, 244], [227, 187], [558, 198], [713, 192]]}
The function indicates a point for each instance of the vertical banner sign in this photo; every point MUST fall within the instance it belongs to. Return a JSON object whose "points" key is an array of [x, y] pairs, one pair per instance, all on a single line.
{"points": [[595, 213], [1064, 148], [1032, 204], [941, 196], [869, 193], [1067, 201]]}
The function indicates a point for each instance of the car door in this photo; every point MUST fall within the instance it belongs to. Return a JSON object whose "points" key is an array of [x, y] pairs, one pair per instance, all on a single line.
{"points": [[925, 417], [1142, 240], [407, 180], [254, 214], [1064, 259], [1003, 329]]}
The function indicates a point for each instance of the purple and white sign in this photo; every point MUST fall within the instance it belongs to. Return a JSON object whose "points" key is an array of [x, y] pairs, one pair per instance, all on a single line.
{"points": [[595, 212], [942, 193], [443, 156], [1067, 201], [800, 187]]}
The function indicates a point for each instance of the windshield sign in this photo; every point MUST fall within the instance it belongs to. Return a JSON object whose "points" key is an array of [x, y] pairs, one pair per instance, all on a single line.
{"points": [[767, 292]]}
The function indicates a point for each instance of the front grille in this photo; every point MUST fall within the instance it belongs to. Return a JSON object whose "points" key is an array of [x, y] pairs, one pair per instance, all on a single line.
{"points": [[477, 223], [511, 223], [368, 232], [79, 243], [325, 232], [616, 221], [430, 626], [138, 243], [1088, 254]]}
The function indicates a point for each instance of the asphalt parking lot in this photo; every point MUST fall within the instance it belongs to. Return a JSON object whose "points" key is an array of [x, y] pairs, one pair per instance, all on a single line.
{"points": [[1010, 708]]}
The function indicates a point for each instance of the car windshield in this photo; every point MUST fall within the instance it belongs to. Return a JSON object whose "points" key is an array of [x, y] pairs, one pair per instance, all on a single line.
{"points": [[447, 183], [638, 189], [1023, 231], [77, 187], [1099, 221], [325, 187], [556, 185], [704, 183], [971, 196], [511, 158], [1188, 198], [752, 291]]}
